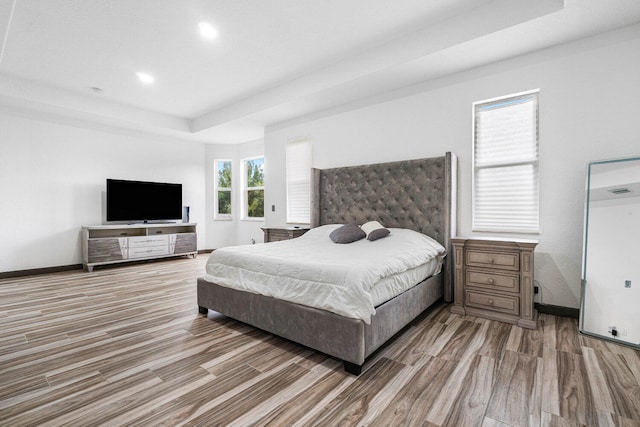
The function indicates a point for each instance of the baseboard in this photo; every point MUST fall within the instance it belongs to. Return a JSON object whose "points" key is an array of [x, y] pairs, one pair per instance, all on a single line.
{"points": [[557, 310], [60, 268], [37, 271]]}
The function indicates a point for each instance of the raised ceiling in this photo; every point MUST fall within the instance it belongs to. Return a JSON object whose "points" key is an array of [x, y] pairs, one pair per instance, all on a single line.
{"points": [[273, 60]]}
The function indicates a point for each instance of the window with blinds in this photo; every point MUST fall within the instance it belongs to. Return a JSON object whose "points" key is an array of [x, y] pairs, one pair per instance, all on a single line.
{"points": [[298, 164], [505, 164]]}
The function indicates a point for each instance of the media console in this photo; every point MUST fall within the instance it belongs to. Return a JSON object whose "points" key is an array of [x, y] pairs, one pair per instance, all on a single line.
{"points": [[112, 244]]}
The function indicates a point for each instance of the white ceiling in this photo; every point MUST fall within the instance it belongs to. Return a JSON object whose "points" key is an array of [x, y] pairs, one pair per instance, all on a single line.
{"points": [[273, 61]]}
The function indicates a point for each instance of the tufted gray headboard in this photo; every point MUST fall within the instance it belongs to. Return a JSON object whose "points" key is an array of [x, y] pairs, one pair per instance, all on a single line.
{"points": [[416, 194]]}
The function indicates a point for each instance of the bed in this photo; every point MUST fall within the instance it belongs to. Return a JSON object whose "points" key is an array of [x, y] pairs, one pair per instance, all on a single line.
{"points": [[417, 195]]}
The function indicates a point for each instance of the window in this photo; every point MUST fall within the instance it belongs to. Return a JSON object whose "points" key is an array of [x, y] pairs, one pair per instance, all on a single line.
{"points": [[299, 181], [505, 164], [253, 184], [222, 189]]}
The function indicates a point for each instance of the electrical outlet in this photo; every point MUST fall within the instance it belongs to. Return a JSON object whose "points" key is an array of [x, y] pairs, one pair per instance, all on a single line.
{"points": [[627, 283], [624, 332]]}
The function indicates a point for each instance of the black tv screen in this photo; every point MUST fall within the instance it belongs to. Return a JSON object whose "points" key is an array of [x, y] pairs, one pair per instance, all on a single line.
{"points": [[143, 201]]}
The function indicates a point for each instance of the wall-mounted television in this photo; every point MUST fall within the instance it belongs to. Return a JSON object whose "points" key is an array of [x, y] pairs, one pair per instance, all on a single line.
{"points": [[136, 201]]}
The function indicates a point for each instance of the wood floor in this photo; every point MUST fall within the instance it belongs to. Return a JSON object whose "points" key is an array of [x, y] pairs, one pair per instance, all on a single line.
{"points": [[126, 346]]}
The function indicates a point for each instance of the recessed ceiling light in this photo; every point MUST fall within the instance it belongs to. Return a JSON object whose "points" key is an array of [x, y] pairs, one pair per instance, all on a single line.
{"points": [[207, 31], [145, 78]]}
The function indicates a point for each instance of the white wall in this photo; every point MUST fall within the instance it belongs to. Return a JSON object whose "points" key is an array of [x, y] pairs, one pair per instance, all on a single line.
{"points": [[589, 110], [250, 230], [236, 231], [220, 233], [52, 182]]}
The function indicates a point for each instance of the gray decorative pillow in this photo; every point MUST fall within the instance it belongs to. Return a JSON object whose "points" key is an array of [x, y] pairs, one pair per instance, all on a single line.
{"points": [[378, 233], [347, 234]]}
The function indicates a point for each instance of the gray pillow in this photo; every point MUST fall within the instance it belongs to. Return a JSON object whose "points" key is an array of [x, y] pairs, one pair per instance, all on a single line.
{"points": [[347, 233], [378, 233]]}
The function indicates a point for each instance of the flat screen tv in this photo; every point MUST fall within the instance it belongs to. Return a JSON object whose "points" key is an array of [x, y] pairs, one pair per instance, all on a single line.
{"points": [[136, 201]]}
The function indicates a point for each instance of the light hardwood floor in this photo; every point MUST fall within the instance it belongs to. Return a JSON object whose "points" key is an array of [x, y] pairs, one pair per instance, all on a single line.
{"points": [[125, 346]]}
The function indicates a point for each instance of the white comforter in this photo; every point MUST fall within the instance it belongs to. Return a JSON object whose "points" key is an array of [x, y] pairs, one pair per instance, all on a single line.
{"points": [[342, 278]]}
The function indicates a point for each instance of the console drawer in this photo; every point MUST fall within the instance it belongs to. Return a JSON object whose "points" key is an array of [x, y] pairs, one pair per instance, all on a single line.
{"points": [[501, 303], [184, 243], [107, 249], [145, 241], [148, 251]]}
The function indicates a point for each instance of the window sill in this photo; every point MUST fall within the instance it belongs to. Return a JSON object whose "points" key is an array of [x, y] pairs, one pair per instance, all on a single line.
{"points": [[223, 219]]}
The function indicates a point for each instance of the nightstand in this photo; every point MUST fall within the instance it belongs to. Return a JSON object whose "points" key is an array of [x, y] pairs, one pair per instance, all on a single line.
{"points": [[494, 279], [274, 234]]}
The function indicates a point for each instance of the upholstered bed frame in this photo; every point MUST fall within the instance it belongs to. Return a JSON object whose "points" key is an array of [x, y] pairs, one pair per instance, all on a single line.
{"points": [[415, 194]]}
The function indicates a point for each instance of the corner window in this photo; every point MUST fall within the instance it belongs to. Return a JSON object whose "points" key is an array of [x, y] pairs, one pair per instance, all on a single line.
{"points": [[299, 181], [222, 189], [253, 188], [505, 164]]}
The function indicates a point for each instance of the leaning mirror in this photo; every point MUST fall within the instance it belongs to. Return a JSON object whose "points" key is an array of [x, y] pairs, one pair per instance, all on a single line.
{"points": [[611, 254]]}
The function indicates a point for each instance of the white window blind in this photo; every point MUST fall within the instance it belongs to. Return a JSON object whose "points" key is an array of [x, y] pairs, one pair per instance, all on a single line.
{"points": [[505, 162], [298, 165]]}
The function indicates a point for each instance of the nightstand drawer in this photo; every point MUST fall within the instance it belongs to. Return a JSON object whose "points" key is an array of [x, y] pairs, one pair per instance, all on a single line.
{"points": [[501, 303], [496, 281], [507, 261], [276, 234]]}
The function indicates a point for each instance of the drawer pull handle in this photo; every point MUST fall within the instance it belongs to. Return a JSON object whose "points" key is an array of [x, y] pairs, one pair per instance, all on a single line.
{"points": [[490, 302], [490, 260], [490, 281]]}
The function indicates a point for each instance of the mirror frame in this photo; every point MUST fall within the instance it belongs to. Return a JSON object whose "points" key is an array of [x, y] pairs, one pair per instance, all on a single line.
{"points": [[583, 281]]}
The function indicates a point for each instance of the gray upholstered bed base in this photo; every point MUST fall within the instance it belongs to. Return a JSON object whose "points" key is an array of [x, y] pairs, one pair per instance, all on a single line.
{"points": [[350, 340]]}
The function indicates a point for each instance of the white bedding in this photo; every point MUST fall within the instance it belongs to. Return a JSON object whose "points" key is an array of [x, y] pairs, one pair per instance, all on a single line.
{"points": [[347, 279]]}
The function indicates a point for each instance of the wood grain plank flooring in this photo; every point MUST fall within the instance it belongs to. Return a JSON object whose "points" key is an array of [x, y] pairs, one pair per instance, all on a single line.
{"points": [[126, 346]]}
